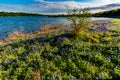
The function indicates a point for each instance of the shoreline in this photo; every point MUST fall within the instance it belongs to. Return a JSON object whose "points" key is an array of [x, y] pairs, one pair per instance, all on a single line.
{"points": [[98, 23]]}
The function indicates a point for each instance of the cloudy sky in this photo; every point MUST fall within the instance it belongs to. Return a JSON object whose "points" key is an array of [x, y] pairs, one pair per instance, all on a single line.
{"points": [[49, 6]]}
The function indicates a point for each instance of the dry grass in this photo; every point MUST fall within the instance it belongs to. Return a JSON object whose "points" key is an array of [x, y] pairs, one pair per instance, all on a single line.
{"points": [[16, 35], [1, 42], [46, 28], [58, 26], [19, 35], [36, 75]]}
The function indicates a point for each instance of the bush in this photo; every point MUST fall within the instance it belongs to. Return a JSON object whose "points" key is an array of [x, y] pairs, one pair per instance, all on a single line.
{"points": [[80, 20]]}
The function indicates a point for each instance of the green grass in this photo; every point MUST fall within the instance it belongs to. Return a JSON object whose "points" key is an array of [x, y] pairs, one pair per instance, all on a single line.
{"points": [[62, 56], [116, 21], [117, 27]]}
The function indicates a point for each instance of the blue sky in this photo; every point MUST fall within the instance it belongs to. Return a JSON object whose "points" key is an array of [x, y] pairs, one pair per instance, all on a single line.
{"points": [[48, 6], [36, 1]]}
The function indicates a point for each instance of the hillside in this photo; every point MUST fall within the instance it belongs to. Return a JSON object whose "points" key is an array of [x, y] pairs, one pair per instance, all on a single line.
{"points": [[111, 13], [56, 54]]}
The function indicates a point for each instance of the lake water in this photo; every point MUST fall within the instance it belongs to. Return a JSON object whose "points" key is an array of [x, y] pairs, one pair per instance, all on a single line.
{"points": [[30, 24]]}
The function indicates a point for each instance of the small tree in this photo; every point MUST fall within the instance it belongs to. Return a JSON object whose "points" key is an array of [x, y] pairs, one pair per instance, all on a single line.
{"points": [[80, 19], [72, 13]]}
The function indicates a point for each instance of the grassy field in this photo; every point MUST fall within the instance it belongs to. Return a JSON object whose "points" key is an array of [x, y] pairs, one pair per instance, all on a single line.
{"points": [[56, 54]]}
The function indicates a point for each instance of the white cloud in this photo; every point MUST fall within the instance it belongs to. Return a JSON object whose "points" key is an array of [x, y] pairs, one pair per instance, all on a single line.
{"points": [[62, 6], [72, 4], [106, 1], [54, 7], [40, 0]]}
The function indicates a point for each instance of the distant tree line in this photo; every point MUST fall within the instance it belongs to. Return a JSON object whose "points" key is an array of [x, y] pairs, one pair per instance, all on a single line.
{"points": [[4, 14], [112, 13]]}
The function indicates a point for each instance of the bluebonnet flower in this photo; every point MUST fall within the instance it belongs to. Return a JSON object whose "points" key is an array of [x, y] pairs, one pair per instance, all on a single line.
{"points": [[97, 78], [53, 77], [89, 53]]}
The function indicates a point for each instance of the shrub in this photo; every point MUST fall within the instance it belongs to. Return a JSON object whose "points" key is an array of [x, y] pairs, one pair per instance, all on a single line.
{"points": [[80, 20]]}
